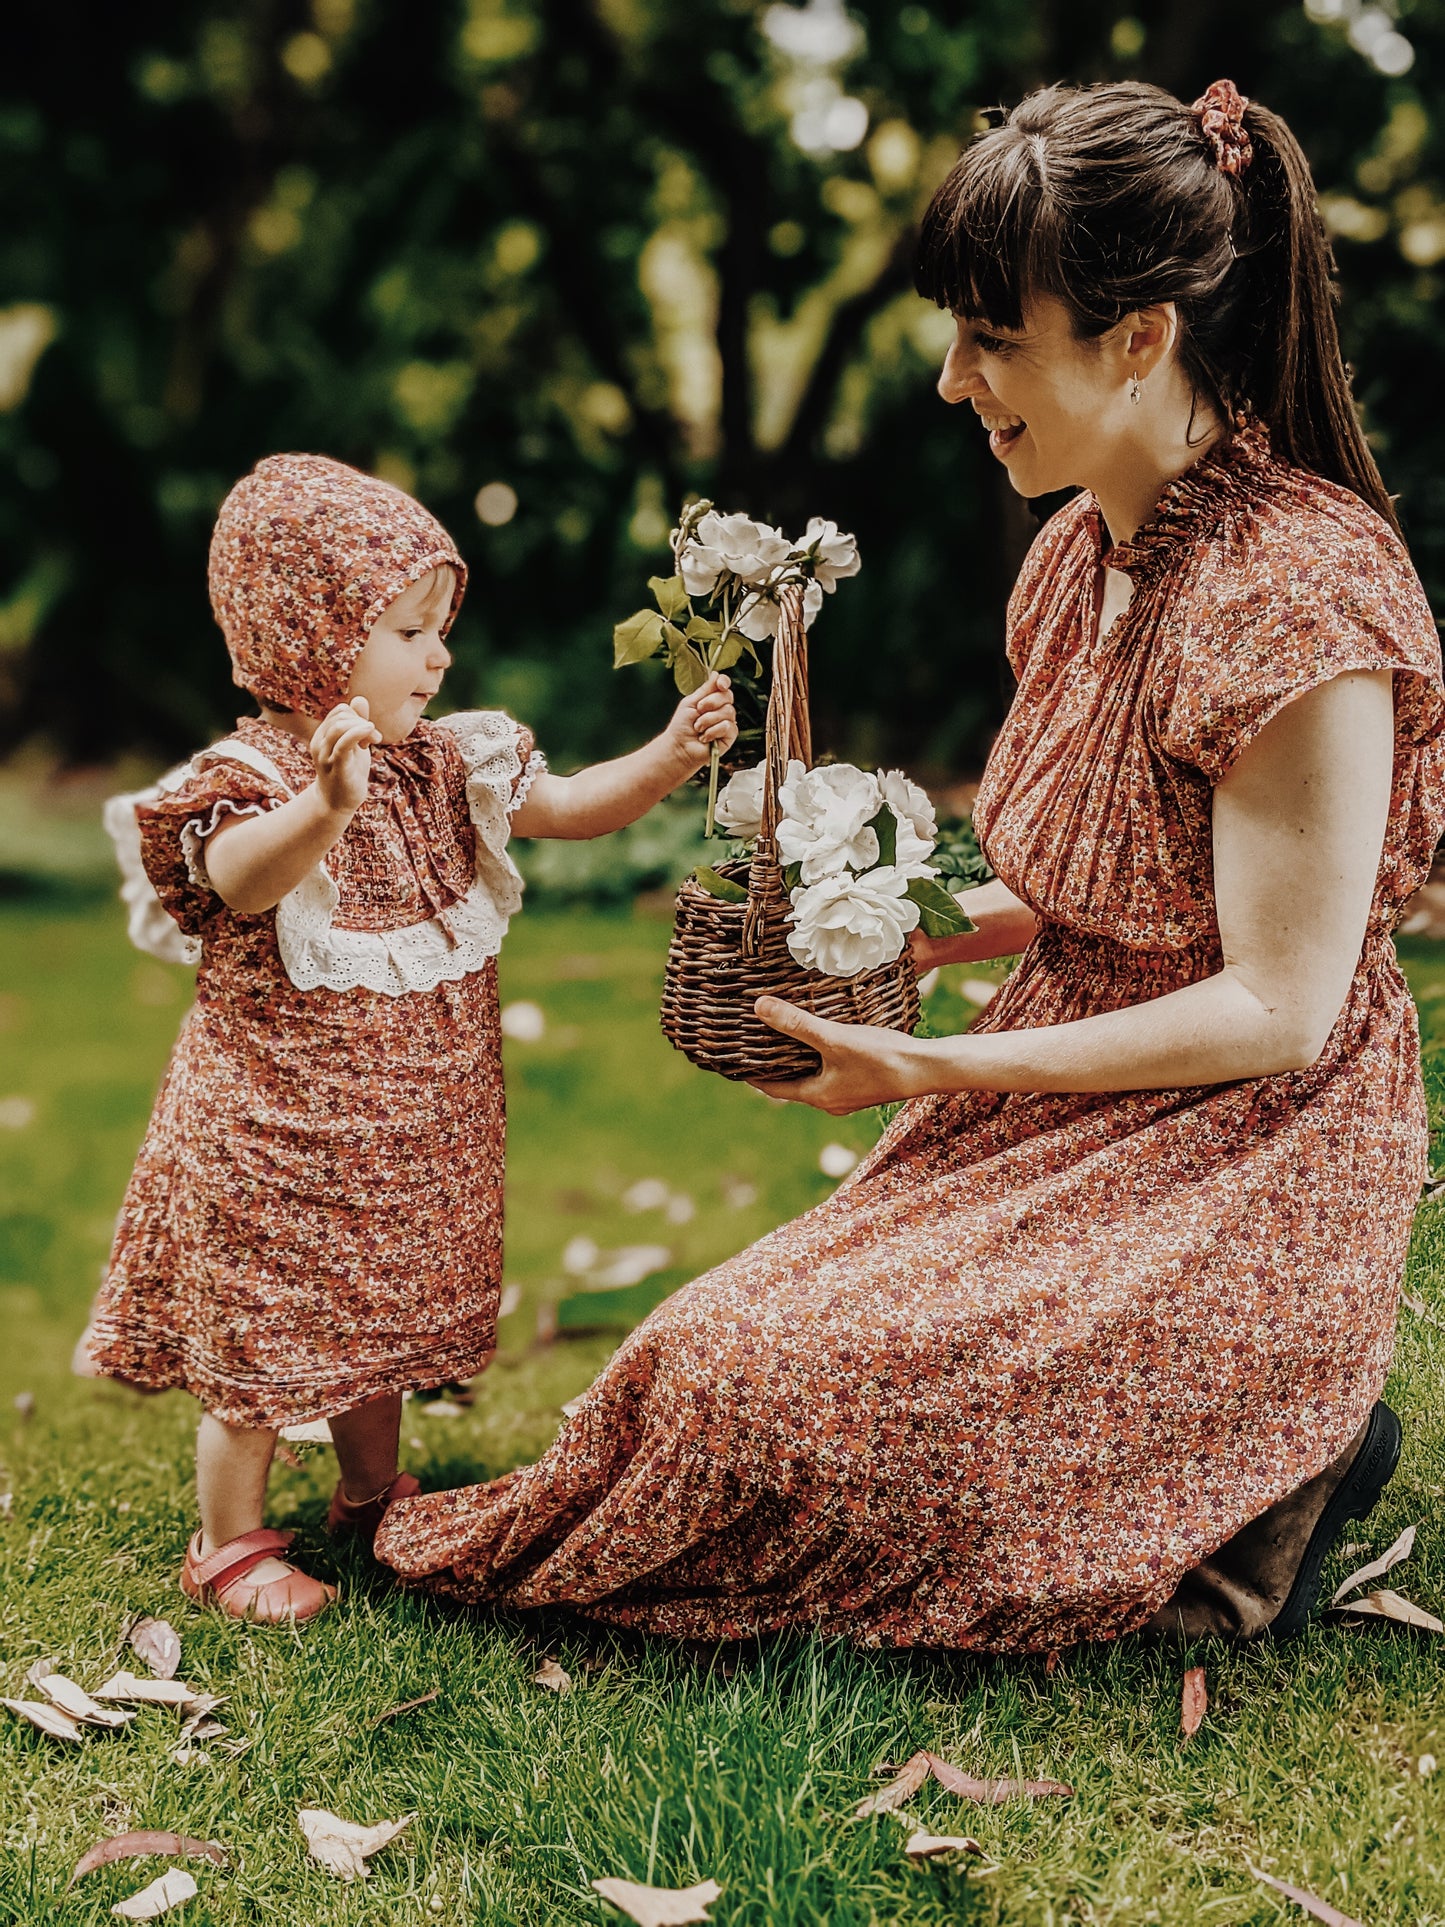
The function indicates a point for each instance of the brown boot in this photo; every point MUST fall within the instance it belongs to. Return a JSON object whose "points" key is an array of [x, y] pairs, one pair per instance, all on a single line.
{"points": [[359, 1518], [1267, 1577]]}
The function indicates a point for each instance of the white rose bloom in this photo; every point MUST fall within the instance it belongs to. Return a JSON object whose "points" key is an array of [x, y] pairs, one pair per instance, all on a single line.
{"points": [[759, 620], [835, 554], [917, 824], [700, 568], [845, 925], [740, 806], [824, 817]]}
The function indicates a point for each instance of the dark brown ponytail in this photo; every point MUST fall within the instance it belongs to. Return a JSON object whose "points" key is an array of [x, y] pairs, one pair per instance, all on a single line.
{"points": [[1112, 198]]}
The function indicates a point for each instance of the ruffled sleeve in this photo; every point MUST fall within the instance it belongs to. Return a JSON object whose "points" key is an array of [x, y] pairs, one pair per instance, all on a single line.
{"points": [[160, 837], [1305, 603]]}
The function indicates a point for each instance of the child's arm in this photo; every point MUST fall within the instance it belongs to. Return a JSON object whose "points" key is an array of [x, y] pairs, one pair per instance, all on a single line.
{"points": [[608, 795], [253, 861]]}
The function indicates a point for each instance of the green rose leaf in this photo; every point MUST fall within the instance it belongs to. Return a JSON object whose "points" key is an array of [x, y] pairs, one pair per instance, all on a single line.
{"points": [[731, 650], [719, 886], [940, 912], [689, 672], [670, 594], [702, 630], [885, 827], [638, 638]]}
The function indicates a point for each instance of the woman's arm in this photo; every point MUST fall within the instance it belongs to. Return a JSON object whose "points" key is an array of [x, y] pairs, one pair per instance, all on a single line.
{"points": [[1299, 823], [253, 861], [1005, 927], [609, 795]]}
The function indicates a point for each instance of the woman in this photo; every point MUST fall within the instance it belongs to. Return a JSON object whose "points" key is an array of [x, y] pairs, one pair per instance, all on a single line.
{"points": [[1092, 1341]]}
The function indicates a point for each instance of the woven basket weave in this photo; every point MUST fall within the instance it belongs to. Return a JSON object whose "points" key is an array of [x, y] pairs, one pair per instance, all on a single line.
{"points": [[724, 956]]}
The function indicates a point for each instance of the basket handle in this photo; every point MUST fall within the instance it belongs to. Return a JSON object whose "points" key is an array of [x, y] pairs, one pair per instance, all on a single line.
{"points": [[788, 737]]}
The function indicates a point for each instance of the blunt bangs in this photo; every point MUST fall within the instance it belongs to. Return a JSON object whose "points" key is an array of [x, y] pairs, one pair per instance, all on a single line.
{"points": [[983, 248]]}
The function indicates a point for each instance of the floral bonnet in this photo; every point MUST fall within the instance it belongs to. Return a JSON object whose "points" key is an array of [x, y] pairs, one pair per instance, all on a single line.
{"points": [[305, 556]]}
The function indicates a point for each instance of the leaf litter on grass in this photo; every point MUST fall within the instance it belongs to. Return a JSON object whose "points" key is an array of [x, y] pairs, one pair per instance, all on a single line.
{"points": [[136, 1846], [1377, 1568], [922, 1845], [158, 1644], [1392, 1607], [343, 1847], [173, 1889], [1194, 1702], [1312, 1904], [916, 1769], [553, 1677], [660, 1906]]}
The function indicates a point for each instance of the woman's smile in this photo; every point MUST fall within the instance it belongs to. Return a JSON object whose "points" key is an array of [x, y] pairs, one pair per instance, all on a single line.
{"points": [[1003, 429]]}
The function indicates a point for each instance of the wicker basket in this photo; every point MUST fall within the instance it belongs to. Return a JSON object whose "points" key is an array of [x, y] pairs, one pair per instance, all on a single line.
{"points": [[724, 956]]}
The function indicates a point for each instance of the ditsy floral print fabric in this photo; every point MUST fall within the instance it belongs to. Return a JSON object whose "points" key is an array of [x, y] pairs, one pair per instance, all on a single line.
{"points": [[1040, 1355], [315, 1216]]}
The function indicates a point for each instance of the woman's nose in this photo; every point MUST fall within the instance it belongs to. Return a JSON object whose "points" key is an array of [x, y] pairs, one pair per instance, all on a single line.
{"points": [[960, 379]]}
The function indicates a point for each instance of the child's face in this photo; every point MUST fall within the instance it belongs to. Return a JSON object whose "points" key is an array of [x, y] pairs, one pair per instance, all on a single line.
{"points": [[401, 667]]}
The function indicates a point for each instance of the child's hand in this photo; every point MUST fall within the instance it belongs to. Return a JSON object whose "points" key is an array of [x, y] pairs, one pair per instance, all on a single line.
{"points": [[703, 720], [341, 751]]}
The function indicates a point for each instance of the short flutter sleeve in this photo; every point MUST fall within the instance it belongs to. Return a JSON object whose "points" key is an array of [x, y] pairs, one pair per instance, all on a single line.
{"points": [[160, 837], [1314, 596]]}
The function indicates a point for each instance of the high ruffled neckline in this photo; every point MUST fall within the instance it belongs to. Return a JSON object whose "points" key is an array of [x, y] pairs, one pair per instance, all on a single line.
{"points": [[1221, 485]]}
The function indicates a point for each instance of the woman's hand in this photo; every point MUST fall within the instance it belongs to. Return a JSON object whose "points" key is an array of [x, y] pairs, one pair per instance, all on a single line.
{"points": [[704, 721], [863, 1064], [341, 752]]}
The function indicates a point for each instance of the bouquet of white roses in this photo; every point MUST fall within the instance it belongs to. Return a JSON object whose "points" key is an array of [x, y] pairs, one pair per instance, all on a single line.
{"points": [[723, 597], [854, 849]]}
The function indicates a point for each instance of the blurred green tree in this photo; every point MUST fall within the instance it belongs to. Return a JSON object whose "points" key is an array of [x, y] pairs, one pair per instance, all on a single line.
{"points": [[552, 263]]}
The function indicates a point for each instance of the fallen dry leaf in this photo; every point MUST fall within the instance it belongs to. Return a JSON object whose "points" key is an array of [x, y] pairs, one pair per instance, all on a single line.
{"points": [[902, 1787], [343, 1847], [72, 1699], [174, 1888], [660, 1906], [925, 1846], [1393, 1607], [1377, 1568], [132, 1846], [158, 1644], [155, 1692], [552, 1676], [200, 1726], [1194, 1703], [1417, 1305], [50, 1719], [992, 1793], [1051, 1664], [1312, 1904], [41, 1669], [407, 1706]]}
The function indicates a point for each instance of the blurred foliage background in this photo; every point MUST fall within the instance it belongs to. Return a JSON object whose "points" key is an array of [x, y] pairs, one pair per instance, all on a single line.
{"points": [[552, 263]]}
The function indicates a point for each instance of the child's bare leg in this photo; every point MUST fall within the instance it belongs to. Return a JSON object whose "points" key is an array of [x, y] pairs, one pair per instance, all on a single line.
{"points": [[233, 1463], [366, 1440]]}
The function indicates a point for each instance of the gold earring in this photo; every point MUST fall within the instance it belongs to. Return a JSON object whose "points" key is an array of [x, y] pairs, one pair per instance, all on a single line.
{"points": [[1135, 389]]}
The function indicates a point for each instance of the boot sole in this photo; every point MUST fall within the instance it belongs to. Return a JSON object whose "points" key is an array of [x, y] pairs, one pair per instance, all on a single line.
{"points": [[1356, 1497]]}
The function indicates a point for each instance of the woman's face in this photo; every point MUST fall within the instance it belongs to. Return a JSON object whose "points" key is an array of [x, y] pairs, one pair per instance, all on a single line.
{"points": [[1054, 405]]}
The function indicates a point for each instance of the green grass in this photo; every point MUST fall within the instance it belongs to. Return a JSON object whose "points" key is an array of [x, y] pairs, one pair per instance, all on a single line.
{"points": [[661, 1763]]}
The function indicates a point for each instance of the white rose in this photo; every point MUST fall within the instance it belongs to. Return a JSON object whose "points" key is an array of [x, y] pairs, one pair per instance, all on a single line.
{"points": [[917, 824], [740, 806], [845, 925], [823, 820], [835, 555], [760, 617]]}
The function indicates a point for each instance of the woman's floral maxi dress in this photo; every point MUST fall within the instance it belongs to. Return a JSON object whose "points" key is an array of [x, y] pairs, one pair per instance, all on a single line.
{"points": [[315, 1217], [1042, 1354]]}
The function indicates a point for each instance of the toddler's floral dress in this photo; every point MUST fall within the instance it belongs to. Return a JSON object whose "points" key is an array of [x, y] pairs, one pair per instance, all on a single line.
{"points": [[315, 1217]]}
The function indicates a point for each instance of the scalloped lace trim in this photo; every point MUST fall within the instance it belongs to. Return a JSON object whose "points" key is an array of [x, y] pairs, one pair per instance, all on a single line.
{"points": [[317, 955]]}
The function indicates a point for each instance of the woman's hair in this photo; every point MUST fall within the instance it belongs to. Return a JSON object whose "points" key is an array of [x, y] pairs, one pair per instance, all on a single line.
{"points": [[1115, 197]]}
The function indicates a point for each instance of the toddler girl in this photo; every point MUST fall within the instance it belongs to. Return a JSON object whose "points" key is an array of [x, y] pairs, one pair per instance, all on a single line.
{"points": [[314, 1225]]}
